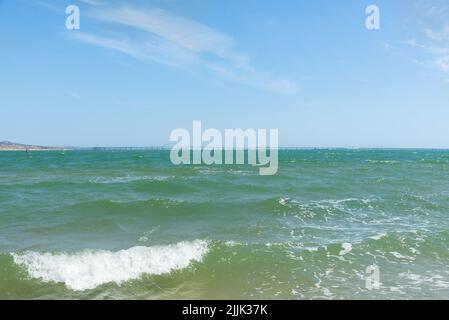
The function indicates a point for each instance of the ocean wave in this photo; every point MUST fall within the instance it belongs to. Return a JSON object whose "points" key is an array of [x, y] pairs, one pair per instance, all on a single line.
{"points": [[382, 161], [325, 208], [57, 182], [215, 171], [91, 268], [119, 206], [287, 202], [126, 179]]}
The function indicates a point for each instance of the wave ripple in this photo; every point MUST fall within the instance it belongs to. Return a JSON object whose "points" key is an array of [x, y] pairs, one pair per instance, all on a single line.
{"points": [[90, 268]]}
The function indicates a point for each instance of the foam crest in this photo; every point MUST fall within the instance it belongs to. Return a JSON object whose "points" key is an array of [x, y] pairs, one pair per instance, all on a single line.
{"points": [[89, 269], [126, 179]]}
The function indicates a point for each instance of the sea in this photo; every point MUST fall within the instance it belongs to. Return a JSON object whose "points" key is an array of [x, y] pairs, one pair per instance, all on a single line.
{"points": [[331, 224]]}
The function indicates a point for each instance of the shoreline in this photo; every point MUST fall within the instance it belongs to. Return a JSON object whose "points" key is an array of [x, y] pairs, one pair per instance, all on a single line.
{"points": [[31, 149]]}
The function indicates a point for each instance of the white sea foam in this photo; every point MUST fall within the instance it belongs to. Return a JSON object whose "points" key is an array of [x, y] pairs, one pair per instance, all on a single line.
{"points": [[378, 236], [89, 269], [347, 247], [126, 179], [323, 204], [400, 256], [382, 161]]}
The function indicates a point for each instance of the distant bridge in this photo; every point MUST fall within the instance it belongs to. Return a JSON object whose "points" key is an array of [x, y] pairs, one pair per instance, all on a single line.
{"points": [[125, 148], [159, 148]]}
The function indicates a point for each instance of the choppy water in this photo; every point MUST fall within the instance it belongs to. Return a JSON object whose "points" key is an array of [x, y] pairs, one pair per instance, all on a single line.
{"points": [[130, 225]]}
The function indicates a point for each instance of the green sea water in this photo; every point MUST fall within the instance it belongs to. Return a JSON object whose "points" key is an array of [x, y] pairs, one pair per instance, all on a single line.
{"points": [[131, 225]]}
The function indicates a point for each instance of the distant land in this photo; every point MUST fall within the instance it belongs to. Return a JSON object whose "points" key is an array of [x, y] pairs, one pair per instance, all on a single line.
{"points": [[12, 146]]}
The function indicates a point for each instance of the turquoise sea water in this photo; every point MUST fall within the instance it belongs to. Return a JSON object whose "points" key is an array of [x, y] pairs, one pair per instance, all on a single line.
{"points": [[130, 225]]}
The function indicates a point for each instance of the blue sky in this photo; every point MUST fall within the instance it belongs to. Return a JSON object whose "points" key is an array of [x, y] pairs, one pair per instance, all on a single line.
{"points": [[136, 70]]}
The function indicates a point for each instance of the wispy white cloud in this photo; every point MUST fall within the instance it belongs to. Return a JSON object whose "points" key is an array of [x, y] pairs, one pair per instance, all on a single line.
{"points": [[186, 33], [156, 51], [177, 41], [46, 5], [433, 39], [436, 45], [93, 2]]}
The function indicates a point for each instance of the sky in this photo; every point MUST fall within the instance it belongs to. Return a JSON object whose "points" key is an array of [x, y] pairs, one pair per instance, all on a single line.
{"points": [[136, 70]]}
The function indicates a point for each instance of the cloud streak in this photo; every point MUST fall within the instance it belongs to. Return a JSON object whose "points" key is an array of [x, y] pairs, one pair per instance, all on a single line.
{"points": [[93, 2], [434, 38], [173, 40], [185, 33]]}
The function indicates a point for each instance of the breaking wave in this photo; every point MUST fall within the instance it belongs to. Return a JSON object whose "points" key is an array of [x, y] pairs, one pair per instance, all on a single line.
{"points": [[91, 268]]}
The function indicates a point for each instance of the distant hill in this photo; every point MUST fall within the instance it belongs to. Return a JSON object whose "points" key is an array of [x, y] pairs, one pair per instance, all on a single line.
{"points": [[12, 146]]}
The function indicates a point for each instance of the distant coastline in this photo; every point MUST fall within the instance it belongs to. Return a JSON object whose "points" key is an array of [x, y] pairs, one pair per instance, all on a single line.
{"points": [[12, 146]]}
